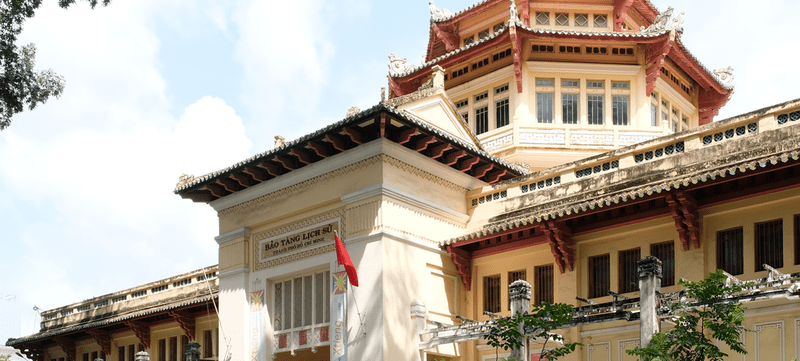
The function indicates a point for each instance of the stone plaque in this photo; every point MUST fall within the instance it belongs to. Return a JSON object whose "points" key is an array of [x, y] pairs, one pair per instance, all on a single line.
{"points": [[306, 239]]}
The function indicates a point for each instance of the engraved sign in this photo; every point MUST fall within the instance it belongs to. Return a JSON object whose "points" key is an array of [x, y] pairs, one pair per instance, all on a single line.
{"points": [[305, 239]]}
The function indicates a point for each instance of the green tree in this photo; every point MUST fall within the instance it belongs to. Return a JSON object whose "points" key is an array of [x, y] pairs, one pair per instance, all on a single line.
{"points": [[688, 340], [20, 85], [542, 319]]}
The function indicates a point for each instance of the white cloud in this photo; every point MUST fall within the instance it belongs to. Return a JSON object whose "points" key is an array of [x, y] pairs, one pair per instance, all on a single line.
{"points": [[285, 53]]}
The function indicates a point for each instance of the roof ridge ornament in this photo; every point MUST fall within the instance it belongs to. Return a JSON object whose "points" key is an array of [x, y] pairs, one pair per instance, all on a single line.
{"points": [[439, 14], [397, 65], [513, 17], [664, 22], [184, 179], [724, 75]]}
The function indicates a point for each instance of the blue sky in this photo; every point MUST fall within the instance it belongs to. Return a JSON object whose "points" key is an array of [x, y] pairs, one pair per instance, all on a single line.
{"points": [[156, 89]]}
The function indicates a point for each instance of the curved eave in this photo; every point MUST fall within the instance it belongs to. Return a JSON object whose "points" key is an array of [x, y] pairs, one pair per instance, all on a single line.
{"points": [[376, 122]]}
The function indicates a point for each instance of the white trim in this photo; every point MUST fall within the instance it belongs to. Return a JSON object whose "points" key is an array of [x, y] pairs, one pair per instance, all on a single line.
{"points": [[673, 95], [389, 191], [583, 68], [341, 160], [760, 326], [621, 346], [243, 232], [233, 272], [605, 345], [797, 338], [502, 74], [462, 134]]}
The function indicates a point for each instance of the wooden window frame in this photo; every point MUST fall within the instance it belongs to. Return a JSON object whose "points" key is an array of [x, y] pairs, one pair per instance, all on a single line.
{"points": [[775, 254], [491, 293], [604, 278], [739, 262]]}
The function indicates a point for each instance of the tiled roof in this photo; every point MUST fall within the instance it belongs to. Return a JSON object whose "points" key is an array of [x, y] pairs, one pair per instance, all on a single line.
{"points": [[46, 334], [375, 109]]}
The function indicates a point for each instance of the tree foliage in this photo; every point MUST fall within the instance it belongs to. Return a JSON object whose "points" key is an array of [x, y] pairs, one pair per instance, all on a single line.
{"points": [[688, 341], [542, 319], [20, 85]]}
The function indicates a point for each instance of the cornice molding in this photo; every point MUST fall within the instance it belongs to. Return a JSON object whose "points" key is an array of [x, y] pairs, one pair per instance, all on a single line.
{"points": [[452, 216], [243, 232]]}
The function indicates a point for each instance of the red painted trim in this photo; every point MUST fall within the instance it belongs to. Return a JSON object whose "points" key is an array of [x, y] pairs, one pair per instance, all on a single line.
{"points": [[518, 244]]}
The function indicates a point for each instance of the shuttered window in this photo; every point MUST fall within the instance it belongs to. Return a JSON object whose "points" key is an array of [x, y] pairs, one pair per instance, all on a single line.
{"points": [[491, 293], [302, 301], [769, 244], [543, 287], [666, 253], [628, 277], [599, 276], [729, 251]]}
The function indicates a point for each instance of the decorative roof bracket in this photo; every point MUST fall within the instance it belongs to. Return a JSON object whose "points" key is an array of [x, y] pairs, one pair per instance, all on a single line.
{"points": [[463, 263]]}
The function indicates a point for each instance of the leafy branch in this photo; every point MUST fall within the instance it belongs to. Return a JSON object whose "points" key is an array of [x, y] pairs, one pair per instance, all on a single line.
{"points": [[539, 323]]}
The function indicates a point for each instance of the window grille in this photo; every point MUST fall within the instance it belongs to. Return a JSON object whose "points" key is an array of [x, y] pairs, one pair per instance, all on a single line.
{"points": [[599, 276], [501, 89], [483, 34], [544, 107], [173, 348], [469, 40], [542, 18], [501, 113], [543, 287], [481, 96], [594, 84], [208, 344], [666, 253], [184, 342], [569, 108], [542, 48], [544, 82], [301, 301], [562, 19], [131, 352], [729, 251], [600, 21], [595, 108], [619, 109], [582, 20], [162, 349], [569, 83], [491, 293], [481, 120], [628, 275], [769, 244], [462, 103]]}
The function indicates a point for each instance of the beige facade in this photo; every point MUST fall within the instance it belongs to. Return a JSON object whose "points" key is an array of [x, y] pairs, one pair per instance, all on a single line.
{"points": [[159, 318]]}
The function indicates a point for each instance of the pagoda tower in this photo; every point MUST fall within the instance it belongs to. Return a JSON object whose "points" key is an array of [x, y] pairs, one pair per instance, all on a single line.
{"points": [[544, 84]]}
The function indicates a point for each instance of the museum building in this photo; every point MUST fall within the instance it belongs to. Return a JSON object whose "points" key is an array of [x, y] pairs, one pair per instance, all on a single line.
{"points": [[556, 143]]}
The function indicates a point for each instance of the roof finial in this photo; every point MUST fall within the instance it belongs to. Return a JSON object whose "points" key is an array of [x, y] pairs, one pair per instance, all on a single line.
{"points": [[352, 111], [664, 22], [725, 75], [513, 16], [279, 141], [439, 14], [397, 65]]}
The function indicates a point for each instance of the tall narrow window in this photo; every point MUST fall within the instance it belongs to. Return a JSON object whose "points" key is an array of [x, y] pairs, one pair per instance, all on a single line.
{"points": [[481, 120], [131, 352], [595, 109], [599, 275], [501, 113], [619, 109], [797, 239], [173, 349], [491, 293], [543, 287], [730, 257], [121, 353], [86, 356], [208, 344], [666, 253], [182, 350], [162, 349], [628, 275], [569, 108], [769, 244], [653, 115], [544, 107], [516, 276]]}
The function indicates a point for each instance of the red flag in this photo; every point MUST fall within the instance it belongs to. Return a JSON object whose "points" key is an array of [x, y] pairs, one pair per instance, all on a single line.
{"points": [[344, 259]]}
